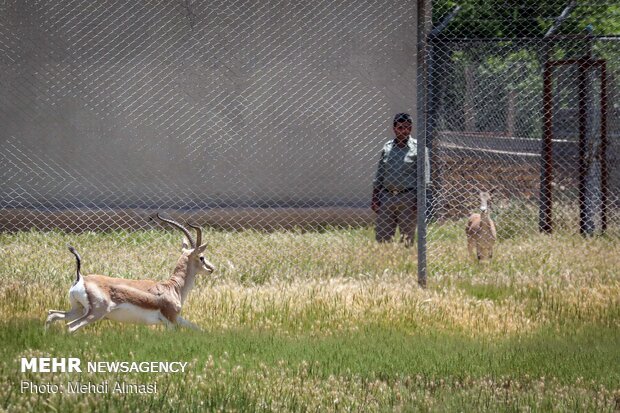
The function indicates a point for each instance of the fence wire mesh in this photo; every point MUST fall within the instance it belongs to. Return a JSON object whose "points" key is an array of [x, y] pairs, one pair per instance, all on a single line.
{"points": [[522, 103], [271, 115], [259, 115]]}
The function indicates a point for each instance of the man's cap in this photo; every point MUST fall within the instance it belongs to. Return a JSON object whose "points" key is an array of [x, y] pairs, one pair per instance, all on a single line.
{"points": [[402, 117]]}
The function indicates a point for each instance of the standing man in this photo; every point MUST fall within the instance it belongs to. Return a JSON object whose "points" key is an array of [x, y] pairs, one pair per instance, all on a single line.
{"points": [[394, 195]]}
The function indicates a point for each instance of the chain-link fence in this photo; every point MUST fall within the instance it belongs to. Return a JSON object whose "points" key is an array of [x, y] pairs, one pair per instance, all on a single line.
{"points": [[523, 102], [256, 115], [271, 115]]}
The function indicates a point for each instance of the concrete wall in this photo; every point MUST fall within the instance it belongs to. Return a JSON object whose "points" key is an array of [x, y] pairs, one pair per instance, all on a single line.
{"points": [[152, 104]]}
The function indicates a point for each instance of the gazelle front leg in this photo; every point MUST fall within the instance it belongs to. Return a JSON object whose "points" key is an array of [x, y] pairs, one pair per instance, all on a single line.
{"points": [[471, 245]]}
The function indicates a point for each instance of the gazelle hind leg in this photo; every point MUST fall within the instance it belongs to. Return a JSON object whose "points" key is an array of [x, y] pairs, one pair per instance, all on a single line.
{"points": [[70, 315], [76, 311], [54, 315], [90, 317], [56, 312]]}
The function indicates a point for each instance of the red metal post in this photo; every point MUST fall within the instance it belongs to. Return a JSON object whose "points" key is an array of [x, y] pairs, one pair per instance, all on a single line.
{"points": [[546, 199], [603, 154], [582, 82]]}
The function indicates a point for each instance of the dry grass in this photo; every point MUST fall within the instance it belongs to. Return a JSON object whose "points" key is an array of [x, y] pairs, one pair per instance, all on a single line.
{"points": [[335, 281], [329, 286]]}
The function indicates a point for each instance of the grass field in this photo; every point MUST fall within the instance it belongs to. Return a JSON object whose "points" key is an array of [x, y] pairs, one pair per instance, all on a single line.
{"points": [[330, 321]]}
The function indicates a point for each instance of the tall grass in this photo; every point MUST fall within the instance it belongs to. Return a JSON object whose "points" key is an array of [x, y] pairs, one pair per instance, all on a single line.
{"points": [[307, 321]]}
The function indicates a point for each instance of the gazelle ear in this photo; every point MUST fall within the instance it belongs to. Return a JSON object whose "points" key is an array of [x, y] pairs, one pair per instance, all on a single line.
{"points": [[201, 248], [186, 245]]}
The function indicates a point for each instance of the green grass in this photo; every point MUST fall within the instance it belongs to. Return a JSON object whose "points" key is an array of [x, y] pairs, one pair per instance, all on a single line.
{"points": [[331, 321], [588, 353], [452, 365]]}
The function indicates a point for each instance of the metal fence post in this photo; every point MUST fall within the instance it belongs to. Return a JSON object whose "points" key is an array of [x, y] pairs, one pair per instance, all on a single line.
{"points": [[424, 19], [603, 153]]}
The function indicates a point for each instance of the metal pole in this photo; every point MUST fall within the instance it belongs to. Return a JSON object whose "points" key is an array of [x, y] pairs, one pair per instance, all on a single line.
{"points": [[444, 23], [545, 221], [603, 154], [583, 130], [588, 185], [422, 82], [560, 19]]}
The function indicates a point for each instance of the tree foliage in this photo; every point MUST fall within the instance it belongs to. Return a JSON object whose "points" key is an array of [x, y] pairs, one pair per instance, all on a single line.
{"points": [[527, 18]]}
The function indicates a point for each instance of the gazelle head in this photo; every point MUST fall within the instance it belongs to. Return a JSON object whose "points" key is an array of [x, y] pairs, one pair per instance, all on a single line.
{"points": [[485, 198], [192, 249]]}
